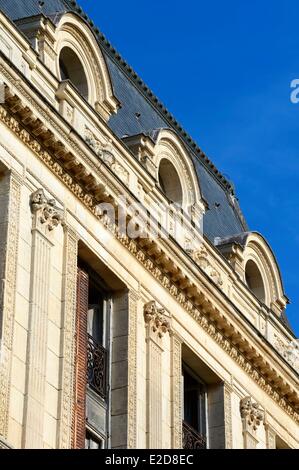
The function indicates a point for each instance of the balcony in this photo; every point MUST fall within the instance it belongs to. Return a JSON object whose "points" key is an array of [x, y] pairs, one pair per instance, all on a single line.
{"points": [[192, 439], [97, 367]]}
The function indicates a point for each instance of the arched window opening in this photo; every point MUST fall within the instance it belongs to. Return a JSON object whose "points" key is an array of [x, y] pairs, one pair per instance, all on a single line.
{"points": [[254, 280], [72, 69], [170, 182]]}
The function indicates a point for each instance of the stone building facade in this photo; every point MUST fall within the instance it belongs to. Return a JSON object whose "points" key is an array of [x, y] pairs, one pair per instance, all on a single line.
{"points": [[151, 337]]}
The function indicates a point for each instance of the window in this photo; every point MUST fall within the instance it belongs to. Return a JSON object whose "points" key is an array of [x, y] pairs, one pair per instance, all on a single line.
{"points": [[195, 411], [254, 280], [72, 69], [97, 339], [93, 442], [170, 182]]}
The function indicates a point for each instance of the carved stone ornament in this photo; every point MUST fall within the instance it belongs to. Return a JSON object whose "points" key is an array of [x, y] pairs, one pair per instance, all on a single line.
{"points": [[251, 413], [103, 148], [156, 319], [289, 351], [46, 210], [201, 257]]}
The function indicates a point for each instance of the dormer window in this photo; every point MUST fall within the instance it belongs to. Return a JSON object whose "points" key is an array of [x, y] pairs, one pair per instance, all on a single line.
{"points": [[254, 280], [72, 69], [170, 182]]}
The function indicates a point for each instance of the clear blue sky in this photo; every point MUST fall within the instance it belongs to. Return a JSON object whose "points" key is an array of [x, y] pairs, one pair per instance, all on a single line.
{"points": [[224, 68]]}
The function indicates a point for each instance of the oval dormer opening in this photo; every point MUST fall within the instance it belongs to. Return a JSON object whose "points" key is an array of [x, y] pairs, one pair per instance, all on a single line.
{"points": [[72, 69], [170, 182]]}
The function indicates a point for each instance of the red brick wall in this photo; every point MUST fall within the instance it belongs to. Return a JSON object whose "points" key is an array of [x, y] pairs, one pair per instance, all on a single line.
{"points": [[79, 421]]}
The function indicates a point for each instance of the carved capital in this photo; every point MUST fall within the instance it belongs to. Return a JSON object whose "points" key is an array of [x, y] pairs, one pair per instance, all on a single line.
{"points": [[251, 414], [155, 317], [45, 210]]}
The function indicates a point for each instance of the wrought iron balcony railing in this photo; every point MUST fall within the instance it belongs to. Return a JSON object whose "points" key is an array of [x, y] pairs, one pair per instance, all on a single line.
{"points": [[97, 367], [192, 439]]}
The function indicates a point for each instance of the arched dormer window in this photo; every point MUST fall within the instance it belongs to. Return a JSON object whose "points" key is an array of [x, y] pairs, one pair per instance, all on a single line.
{"points": [[72, 69], [170, 183], [175, 173], [80, 60], [255, 281], [253, 259]]}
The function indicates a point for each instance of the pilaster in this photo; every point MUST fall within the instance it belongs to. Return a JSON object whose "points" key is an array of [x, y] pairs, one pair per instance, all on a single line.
{"points": [[66, 404], [252, 416], [176, 391], [157, 325], [132, 370], [9, 231], [45, 217], [228, 416]]}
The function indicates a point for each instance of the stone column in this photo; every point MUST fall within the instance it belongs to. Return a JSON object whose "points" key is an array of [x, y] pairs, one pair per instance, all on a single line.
{"points": [[176, 391], [252, 416], [10, 197], [157, 326], [46, 217], [66, 403]]}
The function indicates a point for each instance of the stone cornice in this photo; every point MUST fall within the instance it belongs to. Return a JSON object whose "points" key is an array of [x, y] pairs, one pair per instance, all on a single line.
{"points": [[91, 188]]}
